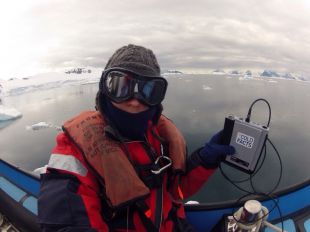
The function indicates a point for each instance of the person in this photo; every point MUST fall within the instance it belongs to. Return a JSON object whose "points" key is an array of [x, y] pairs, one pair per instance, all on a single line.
{"points": [[124, 166]]}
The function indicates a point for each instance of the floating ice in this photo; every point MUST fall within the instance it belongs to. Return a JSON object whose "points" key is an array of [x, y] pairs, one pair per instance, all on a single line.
{"points": [[192, 203], [205, 87], [38, 126], [40, 170], [8, 113], [42, 125], [247, 77]]}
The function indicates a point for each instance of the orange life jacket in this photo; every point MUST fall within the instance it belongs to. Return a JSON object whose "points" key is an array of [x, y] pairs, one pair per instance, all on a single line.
{"points": [[106, 156]]}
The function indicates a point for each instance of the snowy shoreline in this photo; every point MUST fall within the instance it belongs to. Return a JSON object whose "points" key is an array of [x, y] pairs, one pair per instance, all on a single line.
{"points": [[46, 81]]}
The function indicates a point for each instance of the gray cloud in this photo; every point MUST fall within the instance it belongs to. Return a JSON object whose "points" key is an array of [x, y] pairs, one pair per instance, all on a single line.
{"points": [[203, 34]]}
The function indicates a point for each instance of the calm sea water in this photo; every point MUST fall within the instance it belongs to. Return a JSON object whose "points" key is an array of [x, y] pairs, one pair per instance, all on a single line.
{"points": [[198, 105]]}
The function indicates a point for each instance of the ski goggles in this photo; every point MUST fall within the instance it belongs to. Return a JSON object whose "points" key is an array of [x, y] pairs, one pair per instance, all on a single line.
{"points": [[121, 85]]}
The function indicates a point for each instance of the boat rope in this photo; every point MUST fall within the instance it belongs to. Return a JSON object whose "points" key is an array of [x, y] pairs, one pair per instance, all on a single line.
{"points": [[6, 225]]}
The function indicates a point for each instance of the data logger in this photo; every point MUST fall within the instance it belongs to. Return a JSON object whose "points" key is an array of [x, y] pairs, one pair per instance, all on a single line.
{"points": [[248, 138]]}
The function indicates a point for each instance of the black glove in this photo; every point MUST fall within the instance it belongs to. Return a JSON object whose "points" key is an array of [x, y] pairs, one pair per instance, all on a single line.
{"points": [[213, 152]]}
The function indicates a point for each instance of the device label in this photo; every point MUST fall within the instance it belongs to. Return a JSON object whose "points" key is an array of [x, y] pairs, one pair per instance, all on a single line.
{"points": [[244, 140]]}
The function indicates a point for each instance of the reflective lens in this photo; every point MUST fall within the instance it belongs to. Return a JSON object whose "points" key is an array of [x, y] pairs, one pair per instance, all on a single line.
{"points": [[118, 84], [121, 86], [153, 91]]}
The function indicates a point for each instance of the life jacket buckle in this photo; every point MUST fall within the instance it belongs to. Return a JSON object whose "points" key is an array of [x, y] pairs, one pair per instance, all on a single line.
{"points": [[162, 162]]}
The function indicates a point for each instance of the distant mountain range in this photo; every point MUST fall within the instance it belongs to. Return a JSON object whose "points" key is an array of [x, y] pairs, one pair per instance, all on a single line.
{"points": [[248, 74], [78, 71], [171, 72], [265, 74], [291, 76]]}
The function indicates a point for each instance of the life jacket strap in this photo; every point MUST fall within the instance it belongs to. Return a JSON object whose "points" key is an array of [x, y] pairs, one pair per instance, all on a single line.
{"points": [[143, 210], [149, 179]]}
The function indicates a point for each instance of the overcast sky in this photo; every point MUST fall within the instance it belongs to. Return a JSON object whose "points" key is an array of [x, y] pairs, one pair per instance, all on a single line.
{"points": [[48, 35]]}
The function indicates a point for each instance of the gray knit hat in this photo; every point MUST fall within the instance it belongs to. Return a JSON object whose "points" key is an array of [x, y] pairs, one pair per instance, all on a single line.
{"points": [[137, 59]]}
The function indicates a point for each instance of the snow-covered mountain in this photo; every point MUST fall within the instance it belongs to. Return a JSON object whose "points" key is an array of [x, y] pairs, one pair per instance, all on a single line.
{"points": [[269, 73], [235, 72], [43, 81], [287, 75], [248, 73], [290, 76]]}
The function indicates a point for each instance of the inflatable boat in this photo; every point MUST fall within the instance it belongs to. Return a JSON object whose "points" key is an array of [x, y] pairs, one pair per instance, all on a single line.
{"points": [[19, 191]]}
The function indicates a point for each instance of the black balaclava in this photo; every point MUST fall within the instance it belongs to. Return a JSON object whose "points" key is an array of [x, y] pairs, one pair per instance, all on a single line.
{"points": [[130, 125], [141, 61]]}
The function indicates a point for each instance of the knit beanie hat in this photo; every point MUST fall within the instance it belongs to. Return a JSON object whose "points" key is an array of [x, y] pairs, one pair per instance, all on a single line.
{"points": [[137, 59], [134, 58]]}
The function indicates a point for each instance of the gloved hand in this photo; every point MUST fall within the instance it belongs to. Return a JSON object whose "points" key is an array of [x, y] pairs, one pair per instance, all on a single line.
{"points": [[213, 152]]}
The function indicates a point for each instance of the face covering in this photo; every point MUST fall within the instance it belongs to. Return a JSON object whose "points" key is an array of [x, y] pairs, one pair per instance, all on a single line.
{"points": [[130, 125]]}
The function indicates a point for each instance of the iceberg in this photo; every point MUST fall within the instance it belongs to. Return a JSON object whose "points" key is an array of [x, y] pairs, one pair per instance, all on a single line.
{"points": [[218, 72], [8, 113], [38, 126], [205, 87], [42, 125]]}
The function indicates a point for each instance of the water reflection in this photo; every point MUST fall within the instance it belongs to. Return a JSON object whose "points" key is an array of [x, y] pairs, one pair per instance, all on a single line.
{"points": [[200, 113]]}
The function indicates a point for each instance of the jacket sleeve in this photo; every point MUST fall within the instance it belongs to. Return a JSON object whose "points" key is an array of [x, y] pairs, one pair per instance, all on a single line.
{"points": [[196, 175], [69, 195]]}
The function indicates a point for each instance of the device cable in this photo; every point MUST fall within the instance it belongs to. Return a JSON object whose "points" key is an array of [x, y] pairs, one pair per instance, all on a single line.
{"points": [[248, 117], [255, 192]]}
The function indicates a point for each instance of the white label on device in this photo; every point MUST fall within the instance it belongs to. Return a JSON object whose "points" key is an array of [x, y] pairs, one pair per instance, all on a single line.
{"points": [[245, 140]]}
